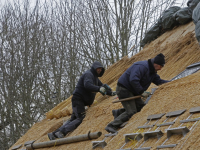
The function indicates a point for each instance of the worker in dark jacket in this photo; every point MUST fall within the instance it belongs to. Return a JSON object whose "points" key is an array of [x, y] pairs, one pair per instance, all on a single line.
{"points": [[83, 95], [135, 81]]}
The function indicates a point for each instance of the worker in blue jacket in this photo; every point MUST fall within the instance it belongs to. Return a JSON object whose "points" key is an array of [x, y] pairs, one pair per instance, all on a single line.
{"points": [[135, 81], [83, 95]]}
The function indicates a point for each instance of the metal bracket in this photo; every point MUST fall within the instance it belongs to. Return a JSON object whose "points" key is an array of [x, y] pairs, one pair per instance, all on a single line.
{"points": [[134, 136], [143, 148], [96, 144], [166, 146], [157, 134], [179, 130]]}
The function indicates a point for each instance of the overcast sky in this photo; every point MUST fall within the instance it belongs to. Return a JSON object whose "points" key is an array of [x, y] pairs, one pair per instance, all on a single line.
{"points": [[178, 2], [4, 1]]}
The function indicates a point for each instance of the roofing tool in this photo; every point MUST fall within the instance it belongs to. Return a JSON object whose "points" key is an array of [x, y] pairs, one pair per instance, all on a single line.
{"points": [[127, 99], [135, 97], [116, 97], [106, 86]]}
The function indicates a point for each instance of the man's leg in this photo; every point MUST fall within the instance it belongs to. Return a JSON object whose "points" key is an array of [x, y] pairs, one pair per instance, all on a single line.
{"points": [[118, 112], [129, 106], [73, 124], [79, 114], [76, 119], [53, 136], [139, 104], [73, 117], [130, 110]]}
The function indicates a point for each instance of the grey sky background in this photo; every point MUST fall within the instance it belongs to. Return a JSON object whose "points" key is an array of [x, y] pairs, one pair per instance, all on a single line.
{"points": [[2, 2]]}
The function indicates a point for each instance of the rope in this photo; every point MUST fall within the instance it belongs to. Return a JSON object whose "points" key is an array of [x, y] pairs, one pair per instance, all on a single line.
{"points": [[32, 145], [134, 141], [55, 144], [89, 136]]}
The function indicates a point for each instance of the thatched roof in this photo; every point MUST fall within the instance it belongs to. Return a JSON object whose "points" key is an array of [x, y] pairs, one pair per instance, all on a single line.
{"points": [[181, 49]]}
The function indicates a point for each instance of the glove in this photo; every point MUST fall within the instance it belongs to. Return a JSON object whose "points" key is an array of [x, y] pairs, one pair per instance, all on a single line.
{"points": [[107, 87], [102, 90], [113, 93], [146, 94]]}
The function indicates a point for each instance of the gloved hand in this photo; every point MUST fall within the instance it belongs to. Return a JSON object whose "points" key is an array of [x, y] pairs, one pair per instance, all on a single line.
{"points": [[107, 87], [113, 93], [146, 94], [102, 90]]}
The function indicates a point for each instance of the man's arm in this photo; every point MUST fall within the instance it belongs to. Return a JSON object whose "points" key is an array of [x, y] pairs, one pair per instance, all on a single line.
{"points": [[99, 83], [158, 81], [89, 84]]}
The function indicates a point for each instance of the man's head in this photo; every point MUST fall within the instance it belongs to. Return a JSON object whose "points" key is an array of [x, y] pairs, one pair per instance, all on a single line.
{"points": [[159, 62], [98, 70]]}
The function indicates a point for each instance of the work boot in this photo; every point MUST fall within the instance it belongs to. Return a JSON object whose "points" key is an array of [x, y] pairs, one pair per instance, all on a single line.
{"points": [[111, 129], [59, 134], [51, 136]]}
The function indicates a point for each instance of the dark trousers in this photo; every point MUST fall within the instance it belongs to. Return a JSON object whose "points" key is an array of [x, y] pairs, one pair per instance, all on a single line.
{"points": [[76, 118], [130, 107]]}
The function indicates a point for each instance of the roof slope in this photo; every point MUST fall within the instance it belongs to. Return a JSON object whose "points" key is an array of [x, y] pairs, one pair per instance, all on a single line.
{"points": [[181, 49]]}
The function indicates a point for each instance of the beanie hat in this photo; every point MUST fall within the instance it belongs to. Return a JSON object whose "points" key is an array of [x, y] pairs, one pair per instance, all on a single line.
{"points": [[160, 59]]}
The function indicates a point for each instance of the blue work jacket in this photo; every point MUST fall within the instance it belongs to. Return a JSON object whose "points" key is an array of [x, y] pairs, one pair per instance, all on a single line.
{"points": [[139, 76]]}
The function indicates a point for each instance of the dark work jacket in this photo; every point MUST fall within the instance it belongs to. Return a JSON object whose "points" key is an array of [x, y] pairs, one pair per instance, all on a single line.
{"points": [[89, 84], [196, 15], [139, 76], [192, 3]]}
